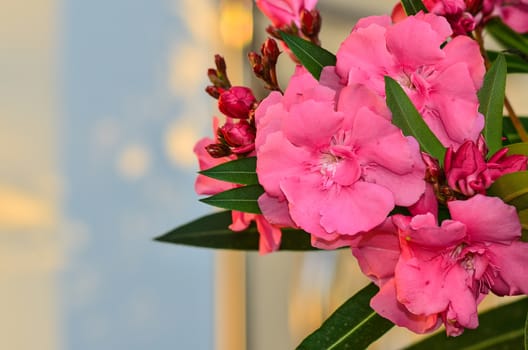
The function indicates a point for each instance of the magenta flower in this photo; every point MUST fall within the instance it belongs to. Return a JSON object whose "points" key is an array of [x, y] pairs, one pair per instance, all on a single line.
{"points": [[441, 82], [285, 12], [340, 166], [270, 235], [240, 136], [513, 12], [443, 272], [468, 172]]}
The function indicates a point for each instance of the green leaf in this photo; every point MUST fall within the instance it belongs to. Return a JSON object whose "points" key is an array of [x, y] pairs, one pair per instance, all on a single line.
{"points": [[212, 231], [512, 188], [240, 171], [526, 333], [240, 198], [514, 63], [314, 58], [508, 130], [491, 98], [506, 36], [354, 325], [501, 328], [406, 117], [518, 148], [412, 7]]}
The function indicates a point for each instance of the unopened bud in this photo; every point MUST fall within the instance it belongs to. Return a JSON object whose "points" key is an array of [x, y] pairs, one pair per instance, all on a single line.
{"points": [[213, 91], [310, 23], [217, 150], [236, 102], [240, 137], [270, 50], [220, 64]]}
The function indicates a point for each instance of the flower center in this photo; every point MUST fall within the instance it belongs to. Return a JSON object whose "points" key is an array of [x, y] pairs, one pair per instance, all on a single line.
{"points": [[338, 163]]}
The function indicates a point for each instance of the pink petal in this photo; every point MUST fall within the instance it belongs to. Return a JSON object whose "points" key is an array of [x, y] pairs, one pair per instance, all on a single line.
{"points": [[354, 96], [311, 124], [241, 220], [357, 208], [365, 48], [270, 236], [512, 263], [378, 251], [386, 304], [304, 87], [278, 151], [275, 210], [488, 219], [462, 49], [415, 43]]}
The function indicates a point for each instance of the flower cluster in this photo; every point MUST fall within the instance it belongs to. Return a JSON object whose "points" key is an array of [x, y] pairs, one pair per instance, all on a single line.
{"points": [[332, 161]]}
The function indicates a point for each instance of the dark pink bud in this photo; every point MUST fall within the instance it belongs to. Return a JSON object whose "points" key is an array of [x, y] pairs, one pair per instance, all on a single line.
{"points": [[217, 150], [213, 91], [236, 102], [239, 136], [270, 50], [310, 23], [500, 163], [466, 169]]}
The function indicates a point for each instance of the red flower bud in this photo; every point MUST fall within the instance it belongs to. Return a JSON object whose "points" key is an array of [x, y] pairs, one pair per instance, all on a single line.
{"points": [[236, 102], [270, 50], [239, 136], [218, 150]]}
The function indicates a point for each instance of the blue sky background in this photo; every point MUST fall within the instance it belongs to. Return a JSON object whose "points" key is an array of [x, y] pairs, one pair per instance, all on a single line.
{"points": [[121, 290]]}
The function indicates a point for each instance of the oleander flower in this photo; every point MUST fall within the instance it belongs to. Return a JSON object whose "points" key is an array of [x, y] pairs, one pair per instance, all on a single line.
{"points": [[334, 157], [513, 12], [284, 12], [270, 235], [442, 81], [443, 272]]}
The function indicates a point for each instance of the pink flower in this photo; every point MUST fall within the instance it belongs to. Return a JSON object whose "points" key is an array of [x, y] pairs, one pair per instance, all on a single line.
{"points": [[270, 235], [283, 12], [513, 12], [468, 172], [334, 157], [236, 102], [441, 82], [443, 272]]}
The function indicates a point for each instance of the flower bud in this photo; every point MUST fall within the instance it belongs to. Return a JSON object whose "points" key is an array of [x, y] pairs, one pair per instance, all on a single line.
{"points": [[239, 136], [213, 91], [236, 102], [218, 150], [310, 23], [270, 51]]}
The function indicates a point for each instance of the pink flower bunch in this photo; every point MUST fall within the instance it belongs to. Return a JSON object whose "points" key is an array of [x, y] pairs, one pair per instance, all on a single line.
{"points": [[330, 160], [283, 13], [442, 81], [430, 274], [513, 12]]}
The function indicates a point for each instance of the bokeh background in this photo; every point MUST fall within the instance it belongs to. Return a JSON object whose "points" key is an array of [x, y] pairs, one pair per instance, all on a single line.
{"points": [[101, 103]]}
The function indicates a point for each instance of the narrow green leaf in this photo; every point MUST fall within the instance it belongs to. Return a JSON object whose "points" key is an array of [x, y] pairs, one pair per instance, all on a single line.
{"points": [[406, 117], [506, 36], [491, 98], [512, 188], [500, 328], [412, 7], [240, 198], [518, 148], [240, 171], [509, 132], [354, 325], [212, 231], [314, 58], [526, 333], [514, 63]]}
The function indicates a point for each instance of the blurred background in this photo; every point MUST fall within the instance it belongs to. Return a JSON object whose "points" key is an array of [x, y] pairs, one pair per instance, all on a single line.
{"points": [[101, 103]]}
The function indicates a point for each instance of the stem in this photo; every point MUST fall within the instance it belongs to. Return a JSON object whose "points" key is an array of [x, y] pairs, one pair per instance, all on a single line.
{"points": [[511, 113]]}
